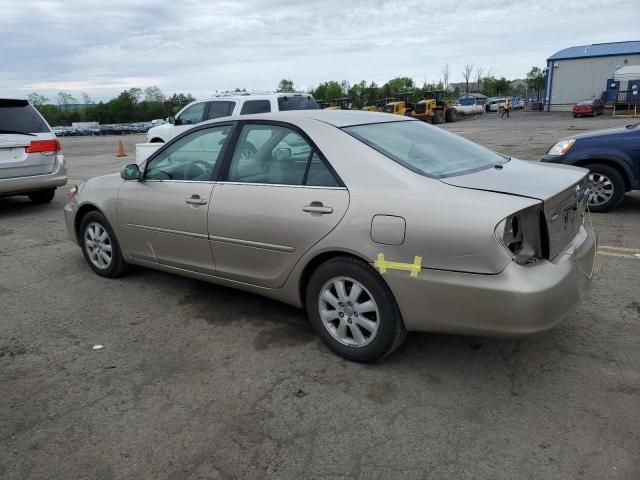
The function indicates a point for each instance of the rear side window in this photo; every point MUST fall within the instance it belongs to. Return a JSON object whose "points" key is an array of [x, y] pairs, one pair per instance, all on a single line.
{"points": [[220, 109], [19, 116], [256, 106], [297, 102]]}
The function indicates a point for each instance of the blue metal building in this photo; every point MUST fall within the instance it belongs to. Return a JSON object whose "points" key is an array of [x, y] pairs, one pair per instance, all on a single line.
{"points": [[586, 71]]}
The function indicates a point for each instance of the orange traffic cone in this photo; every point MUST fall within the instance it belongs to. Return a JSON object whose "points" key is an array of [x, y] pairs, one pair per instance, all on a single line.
{"points": [[121, 152]]}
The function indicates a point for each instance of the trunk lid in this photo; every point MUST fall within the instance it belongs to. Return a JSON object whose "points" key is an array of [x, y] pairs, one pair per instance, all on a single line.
{"points": [[561, 188], [16, 162]]}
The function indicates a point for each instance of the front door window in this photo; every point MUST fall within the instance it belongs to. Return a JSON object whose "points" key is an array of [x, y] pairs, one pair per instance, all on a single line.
{"points": [[191, 158]]}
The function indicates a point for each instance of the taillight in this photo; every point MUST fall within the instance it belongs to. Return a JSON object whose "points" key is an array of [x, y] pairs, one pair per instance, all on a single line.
{"points": [[43, 146]]}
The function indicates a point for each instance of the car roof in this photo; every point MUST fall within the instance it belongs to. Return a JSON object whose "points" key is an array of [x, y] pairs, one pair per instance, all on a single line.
{"points": [[337, 118]]}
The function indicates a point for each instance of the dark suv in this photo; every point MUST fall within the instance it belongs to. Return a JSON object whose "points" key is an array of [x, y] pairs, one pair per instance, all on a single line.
{"points": [[613, 158], [30, 159]]}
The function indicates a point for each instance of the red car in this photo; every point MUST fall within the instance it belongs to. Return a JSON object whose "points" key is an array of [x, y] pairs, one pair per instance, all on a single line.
{"points": [[588, 107]]}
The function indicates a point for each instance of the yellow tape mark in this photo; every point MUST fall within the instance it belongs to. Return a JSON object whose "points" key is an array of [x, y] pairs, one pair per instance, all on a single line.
{"points": [[383, 265], [623, 255], [619, 249]]}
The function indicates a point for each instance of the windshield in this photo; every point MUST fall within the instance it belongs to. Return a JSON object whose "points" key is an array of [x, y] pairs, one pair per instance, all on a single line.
{"points": [[425, 149], [19, 116], [297, 102], [585, 102]]}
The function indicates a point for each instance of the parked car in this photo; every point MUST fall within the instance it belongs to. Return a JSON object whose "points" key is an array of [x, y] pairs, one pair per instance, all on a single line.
{"points": [[60, 131], [31, 162], [592, 108], [494, 104], [375, 223], [202, 110], [612, 157]]}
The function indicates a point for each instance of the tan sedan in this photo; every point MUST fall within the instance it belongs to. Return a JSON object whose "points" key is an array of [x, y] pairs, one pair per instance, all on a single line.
{"points": [[376, 224]]}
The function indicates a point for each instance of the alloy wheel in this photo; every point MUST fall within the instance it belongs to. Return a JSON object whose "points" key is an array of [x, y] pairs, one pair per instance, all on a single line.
{"points": [[349, 312], [601, 189], [98, 245]]}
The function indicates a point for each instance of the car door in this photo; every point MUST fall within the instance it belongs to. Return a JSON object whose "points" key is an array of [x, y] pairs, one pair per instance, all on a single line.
{"points": [[279, 198], [189, 117], [163, 217]]}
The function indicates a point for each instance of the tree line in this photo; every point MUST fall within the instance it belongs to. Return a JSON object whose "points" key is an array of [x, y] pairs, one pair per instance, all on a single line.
{"points": [[476, 81], [132, 105], [137, 105]]}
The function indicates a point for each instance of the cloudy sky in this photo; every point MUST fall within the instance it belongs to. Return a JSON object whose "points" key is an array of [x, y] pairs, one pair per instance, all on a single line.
{"points": [[102, 47]]}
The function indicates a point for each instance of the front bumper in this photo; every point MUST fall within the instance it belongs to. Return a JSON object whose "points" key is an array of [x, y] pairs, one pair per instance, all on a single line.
{"points": [[519, 300], [23, 185], [70, 209]]}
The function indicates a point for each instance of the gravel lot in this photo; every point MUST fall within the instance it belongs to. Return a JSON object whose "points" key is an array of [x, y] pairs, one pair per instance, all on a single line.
{"points": [[197, 381]]}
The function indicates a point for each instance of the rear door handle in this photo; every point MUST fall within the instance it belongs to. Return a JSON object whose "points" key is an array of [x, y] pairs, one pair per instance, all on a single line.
{"points": [[317, 207], [196, 200]]}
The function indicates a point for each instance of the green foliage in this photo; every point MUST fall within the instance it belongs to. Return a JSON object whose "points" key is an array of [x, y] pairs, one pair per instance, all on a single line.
{"points": [[126, 107], [492, 86], [36, 99], [327, 91], [286, 85], [535, 79]]}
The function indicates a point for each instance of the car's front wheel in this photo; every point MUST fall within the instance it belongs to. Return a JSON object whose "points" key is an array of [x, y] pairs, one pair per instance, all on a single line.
{"points": [[100, 246], [353, 311], [606, 188], [42, 196]]}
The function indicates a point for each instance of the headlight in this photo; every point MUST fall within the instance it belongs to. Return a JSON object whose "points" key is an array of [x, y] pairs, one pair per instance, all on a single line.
{"points": [[562, 147], [520, 234], [72, 192]]}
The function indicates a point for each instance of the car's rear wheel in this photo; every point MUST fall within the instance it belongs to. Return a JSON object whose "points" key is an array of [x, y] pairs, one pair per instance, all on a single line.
{"points": [[606, 189], [353, 311], [42, 196], [100, 246]]}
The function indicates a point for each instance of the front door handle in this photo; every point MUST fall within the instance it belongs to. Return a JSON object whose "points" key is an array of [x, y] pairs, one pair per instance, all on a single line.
{"points": [[317, 207], [196, 200]]}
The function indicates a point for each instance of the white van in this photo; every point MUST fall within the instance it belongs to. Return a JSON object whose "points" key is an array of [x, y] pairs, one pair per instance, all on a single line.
{"points": [[224, 106]]}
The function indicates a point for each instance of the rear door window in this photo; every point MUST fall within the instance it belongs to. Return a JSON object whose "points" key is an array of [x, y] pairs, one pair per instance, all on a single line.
{"points": [[256, 106], [17, 116], [220, 109], [297, 102]]}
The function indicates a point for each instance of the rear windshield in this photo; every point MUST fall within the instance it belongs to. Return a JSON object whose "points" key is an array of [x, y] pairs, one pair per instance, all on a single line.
{"points": [[19, 116], [582, 103], [301, 102], [425, 149]]}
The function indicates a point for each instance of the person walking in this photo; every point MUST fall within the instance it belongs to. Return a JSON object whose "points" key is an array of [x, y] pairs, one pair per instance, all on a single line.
{"points": [[506, 108]]}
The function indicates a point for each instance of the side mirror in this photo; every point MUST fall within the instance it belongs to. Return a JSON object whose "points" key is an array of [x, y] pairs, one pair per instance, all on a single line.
{"points": [[282, 154], [171, 120], [130, 172]]}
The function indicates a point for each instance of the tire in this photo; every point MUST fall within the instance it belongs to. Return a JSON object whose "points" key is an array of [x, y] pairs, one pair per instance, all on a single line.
{"points": [[98, 224], [42, 196], [380, 311], [575, 116], [451, 115], [438, 117], [607, 187], [156, 140]]}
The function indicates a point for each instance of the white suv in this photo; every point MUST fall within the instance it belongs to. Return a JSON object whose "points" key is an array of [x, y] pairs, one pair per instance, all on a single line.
{"points": [[31, 162], [225, 106]]}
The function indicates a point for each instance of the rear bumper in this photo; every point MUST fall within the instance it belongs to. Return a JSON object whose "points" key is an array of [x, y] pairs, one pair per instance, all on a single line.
{"points": [[22, 185], [520, 300]]}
